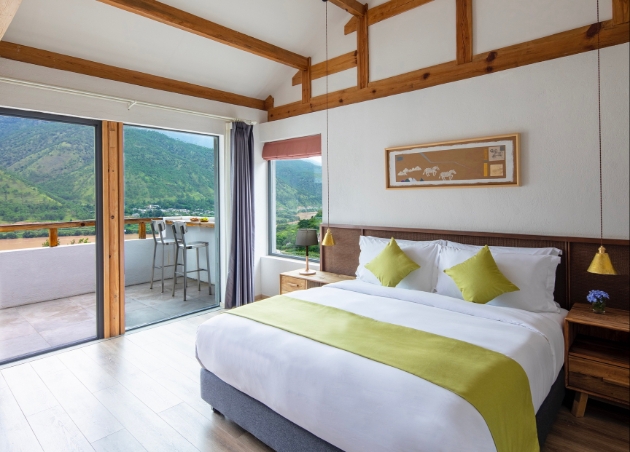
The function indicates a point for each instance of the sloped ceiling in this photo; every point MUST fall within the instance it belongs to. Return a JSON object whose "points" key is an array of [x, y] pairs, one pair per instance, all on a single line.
{"points": [[95, 31]]}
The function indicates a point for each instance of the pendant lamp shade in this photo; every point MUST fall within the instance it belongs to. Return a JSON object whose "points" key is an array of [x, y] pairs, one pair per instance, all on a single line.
{"points": [[601, 264], [328, 239]]}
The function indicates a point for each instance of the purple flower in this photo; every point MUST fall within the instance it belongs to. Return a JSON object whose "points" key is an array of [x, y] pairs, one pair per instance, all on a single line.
{"points": [[597, 296]]}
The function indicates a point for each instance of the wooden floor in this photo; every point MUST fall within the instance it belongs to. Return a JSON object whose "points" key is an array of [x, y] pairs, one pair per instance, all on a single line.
{"points": [[141, 392]]}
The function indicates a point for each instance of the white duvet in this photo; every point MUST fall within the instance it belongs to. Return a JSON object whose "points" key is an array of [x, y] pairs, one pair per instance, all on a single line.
{"points": [[361, 405]]}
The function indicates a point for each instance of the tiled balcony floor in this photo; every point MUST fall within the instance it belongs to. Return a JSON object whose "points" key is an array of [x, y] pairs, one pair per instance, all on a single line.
{"points": [[36, 327], [144, 306]]}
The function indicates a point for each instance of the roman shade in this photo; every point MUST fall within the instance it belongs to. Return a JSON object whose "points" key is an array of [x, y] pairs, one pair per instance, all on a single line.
{"points": [[295, 148]]}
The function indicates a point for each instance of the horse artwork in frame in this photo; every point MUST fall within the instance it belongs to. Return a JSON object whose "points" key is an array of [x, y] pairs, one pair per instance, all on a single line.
{"points": [[480, 162]]}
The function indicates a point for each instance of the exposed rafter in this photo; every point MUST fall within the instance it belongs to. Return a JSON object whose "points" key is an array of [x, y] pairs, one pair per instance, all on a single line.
{"points": [[8, 8], [352, 6], [306, 83], [559, 45], [337, 64], [384, 11], [188, 22], [363, 53], [464, 31], [53, 60], [621, 11]]}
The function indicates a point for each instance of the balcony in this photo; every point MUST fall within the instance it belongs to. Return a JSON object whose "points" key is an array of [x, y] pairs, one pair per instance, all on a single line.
{"points": [[47, 294]]}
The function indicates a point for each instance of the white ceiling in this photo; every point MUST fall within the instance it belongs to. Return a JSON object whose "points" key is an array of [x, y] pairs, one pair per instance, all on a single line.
{"points": [[98, 32]]}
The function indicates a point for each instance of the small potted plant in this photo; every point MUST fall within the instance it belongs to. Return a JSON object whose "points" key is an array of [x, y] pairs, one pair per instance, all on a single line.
{"points": [[598, 298]]}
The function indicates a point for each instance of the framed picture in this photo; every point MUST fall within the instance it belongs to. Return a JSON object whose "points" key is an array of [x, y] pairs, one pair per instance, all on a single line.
{"points": [[480, 162]]}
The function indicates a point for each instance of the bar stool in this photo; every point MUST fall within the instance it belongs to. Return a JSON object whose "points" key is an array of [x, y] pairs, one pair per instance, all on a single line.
{"points": [[158, 229], [179, 232]]}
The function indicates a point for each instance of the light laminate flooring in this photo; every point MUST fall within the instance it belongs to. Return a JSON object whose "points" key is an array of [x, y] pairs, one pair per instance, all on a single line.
{"points": [[141, 392]]}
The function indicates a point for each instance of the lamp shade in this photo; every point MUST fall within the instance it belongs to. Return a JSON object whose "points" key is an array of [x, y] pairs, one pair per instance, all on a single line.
{"points": [[306, 237], [601, 264]]}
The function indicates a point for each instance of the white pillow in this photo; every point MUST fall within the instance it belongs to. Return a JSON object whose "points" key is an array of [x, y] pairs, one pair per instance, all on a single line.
{"points": [[533, 274], [507, 249], [422, 253]]}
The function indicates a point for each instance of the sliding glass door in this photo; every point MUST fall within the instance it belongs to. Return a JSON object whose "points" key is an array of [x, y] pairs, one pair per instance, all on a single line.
{"points": [[50, 253], [169, 177]]}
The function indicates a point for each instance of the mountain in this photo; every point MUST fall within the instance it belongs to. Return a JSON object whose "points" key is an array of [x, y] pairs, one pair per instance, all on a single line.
{"points": [[47, 171], [298, 186], [168, 172], [55, 160]]}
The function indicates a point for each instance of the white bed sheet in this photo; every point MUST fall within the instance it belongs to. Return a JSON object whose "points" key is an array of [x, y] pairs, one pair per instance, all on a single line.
{"points": [[361, 405]]}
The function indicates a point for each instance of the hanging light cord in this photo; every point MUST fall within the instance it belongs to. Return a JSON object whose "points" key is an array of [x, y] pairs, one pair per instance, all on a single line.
{"points": [[327, 149], [599, 113]]}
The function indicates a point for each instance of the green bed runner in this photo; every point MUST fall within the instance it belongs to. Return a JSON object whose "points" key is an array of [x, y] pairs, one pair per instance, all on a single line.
{"points": [[496, 385]]}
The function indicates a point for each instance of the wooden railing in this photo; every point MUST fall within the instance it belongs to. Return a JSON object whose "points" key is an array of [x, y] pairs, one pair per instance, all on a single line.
{"points": [[54, 226]]}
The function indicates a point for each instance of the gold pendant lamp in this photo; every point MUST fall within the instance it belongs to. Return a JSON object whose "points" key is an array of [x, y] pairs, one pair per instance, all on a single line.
{"points": [[328, 237], [601, 265]]}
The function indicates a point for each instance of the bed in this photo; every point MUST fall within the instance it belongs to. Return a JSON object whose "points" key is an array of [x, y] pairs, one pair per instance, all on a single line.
{"points": [[294, 393]]}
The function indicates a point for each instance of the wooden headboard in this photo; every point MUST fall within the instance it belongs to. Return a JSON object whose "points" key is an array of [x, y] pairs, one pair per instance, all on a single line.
{"points": [[572, 280]]}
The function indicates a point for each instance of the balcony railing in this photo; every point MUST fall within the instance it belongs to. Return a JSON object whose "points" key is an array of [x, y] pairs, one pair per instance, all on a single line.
{"points": [[54, 226]]}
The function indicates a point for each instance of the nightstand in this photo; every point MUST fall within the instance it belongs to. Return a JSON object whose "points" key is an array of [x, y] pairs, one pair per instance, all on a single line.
{"points": [[596, 355], [292, 281]]}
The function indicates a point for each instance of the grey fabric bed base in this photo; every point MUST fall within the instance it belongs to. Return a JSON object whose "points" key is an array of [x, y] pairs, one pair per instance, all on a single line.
{"points": [[283, 435]]}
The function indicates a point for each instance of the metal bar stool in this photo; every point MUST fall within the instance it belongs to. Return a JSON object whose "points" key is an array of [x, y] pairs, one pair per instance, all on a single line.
{"points": [[179, 232], [158, 229]]}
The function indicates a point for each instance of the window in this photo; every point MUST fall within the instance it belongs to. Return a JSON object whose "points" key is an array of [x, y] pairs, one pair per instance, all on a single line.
{"points": [[295, 203]]}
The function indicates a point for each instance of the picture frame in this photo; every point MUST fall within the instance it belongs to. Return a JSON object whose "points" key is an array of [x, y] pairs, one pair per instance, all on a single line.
{"points": [[492, 161]]}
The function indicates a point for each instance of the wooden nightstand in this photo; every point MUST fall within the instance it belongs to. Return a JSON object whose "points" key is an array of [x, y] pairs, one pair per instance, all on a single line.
{"points": [[596, 355], [292, 281]]}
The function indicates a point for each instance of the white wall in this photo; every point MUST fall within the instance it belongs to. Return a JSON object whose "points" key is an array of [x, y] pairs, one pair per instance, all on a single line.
{"points": [[33, 275], [552, 104], [42, 274]]}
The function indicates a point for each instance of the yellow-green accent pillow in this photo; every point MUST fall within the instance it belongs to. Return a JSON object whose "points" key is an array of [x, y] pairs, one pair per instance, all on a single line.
{"points": [[479, 278], [392, 265]]}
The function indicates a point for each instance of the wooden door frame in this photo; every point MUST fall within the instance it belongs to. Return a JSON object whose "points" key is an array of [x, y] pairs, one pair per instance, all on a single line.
{"points": [[113, 214]]}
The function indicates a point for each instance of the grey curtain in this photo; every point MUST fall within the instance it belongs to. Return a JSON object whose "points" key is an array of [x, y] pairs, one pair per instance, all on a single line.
{"points": [[240, 281]]}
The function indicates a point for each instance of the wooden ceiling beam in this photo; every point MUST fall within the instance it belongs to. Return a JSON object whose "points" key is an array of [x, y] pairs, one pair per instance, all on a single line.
{"points": [[563, 44], [337, 64], [193, 24], [8, 9], [464, 31], [53, 60], [384, 11], [352, 6]]}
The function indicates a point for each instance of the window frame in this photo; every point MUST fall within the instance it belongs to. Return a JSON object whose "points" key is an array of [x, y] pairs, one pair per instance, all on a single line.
{"points": [[271, 215], [217, 219]]}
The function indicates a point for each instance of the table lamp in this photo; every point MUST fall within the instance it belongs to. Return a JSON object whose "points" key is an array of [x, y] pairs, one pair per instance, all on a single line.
{"points": [[306, 237]]}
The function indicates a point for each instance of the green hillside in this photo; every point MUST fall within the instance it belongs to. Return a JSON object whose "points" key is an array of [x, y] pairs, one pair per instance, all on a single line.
{"points": [[298, 187], [48, 172], [52, 159], [170, 173]]}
